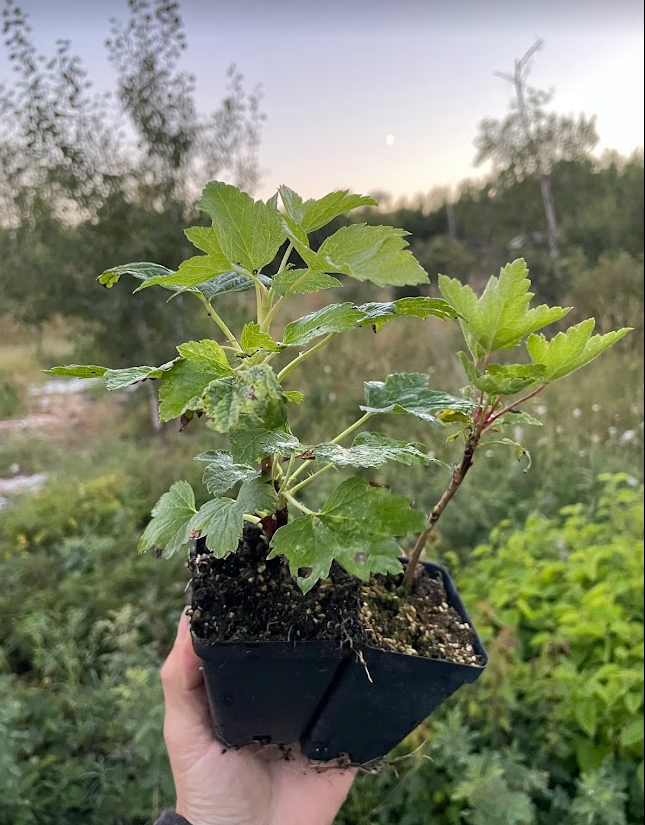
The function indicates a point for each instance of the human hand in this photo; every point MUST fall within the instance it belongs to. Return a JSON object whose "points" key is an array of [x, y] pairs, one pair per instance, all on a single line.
{"points": [[251, 786]]}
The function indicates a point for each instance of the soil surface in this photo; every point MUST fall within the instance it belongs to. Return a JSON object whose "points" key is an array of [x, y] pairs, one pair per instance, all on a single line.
{"points": [[246, 597]]}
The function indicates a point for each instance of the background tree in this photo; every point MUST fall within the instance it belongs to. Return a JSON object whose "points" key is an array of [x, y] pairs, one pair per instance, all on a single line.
{"points": [[530, 141]]}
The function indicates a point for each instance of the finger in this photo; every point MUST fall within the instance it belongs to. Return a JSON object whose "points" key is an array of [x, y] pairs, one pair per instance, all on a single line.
{"points": [[183, 685]]}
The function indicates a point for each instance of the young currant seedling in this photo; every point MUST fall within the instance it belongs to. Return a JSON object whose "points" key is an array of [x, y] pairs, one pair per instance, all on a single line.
{"points": [[234, 385]]}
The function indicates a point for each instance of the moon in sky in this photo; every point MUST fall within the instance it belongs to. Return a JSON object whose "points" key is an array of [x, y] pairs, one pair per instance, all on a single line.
{"points": [[389, 140]]}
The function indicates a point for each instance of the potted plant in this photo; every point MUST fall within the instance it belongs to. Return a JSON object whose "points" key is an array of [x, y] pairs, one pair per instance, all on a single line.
{"points": [[311, 625]]}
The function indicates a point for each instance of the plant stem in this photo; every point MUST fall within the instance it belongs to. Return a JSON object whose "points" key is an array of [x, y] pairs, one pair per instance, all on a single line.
{"points": [[336, 440], [275, 309], [251, 519], [513, 405], [211, 312], [304, 355], [285, 258], [298, 505], [306, 481], [458, 475]]}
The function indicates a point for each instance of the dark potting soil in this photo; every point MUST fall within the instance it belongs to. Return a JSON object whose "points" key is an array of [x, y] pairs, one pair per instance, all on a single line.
{"points": [[247, 598]]}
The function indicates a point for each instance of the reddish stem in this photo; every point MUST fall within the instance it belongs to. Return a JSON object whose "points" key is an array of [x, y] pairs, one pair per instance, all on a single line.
{"points": [[513, 405]]}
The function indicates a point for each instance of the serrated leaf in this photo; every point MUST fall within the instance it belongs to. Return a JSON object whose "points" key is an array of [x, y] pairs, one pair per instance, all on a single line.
{"points": [[378, 314], [183, 387], [221, 520], [120, 379], [365, 253], [502, 379], [356, 520], [205, 239], [501, 318], [208, 353], [250, 444], [226, 283], [372, 450], [249, 232], [408, 392], [78, 371], [168, 530], [222, 472], [301, 281], [519, 418], [294, 397], [141, 270], [253, 394], [422, 307], [569, 351], [253, 339], [330, 319], [314, 214], [191, 273]]}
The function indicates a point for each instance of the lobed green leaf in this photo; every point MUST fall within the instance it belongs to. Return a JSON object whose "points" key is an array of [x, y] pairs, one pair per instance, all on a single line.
{"points": [[253, 339], [301, 281], [333, 318], [406, 392], [253, 395], [221, 520], [372, 450], [355, 528], [249, 232], [168, 530], [501, 318], [569, 351], [222, 472], [313, 214]]}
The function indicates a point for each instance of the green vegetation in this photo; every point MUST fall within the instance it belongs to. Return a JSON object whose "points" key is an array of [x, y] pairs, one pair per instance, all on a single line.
{"points": [[549, 561]]}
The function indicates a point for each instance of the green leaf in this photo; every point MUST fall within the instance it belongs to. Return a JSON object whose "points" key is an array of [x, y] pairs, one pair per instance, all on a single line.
{"points": [[586, 714], [222, 519], [408, 392], [183, 387], [300, 281], [425, 308], [500, 319], [208, 353], [294, 397], [228, 282], [78, 371], [314, 214], [191, 273], [330, 319], [141, 270], [249, 232], [519, 418], [250, 444], [253, 339], [355, 527], [205, 239], [365, 253], [632, 734], [378, 314], [372, 450], [222, 472], [120, 379], [502, 379], [169, 528], [569, 351], [253, 394]]}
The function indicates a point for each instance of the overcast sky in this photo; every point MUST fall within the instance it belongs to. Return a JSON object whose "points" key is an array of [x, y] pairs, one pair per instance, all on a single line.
{"points": [[370, 95]]}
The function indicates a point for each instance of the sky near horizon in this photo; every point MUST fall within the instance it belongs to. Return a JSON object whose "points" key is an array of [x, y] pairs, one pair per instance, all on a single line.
{"points": [[373, 95]]}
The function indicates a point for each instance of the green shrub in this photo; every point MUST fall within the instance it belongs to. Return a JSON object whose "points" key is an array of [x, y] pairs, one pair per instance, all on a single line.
{"points": [[553, 731]]}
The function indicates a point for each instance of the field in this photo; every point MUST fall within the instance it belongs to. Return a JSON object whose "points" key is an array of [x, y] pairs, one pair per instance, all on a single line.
{"points": [[549, 562]]}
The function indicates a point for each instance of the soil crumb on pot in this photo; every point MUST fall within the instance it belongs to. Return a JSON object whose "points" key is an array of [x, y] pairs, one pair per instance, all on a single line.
{"points": [[247, 598]]}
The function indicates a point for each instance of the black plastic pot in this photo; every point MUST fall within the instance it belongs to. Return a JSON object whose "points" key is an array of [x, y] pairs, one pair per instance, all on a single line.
{"points": [[335, 703]]}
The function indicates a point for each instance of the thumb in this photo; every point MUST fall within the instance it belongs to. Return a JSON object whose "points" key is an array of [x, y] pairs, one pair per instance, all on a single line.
{"points": [[187, 714]]}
